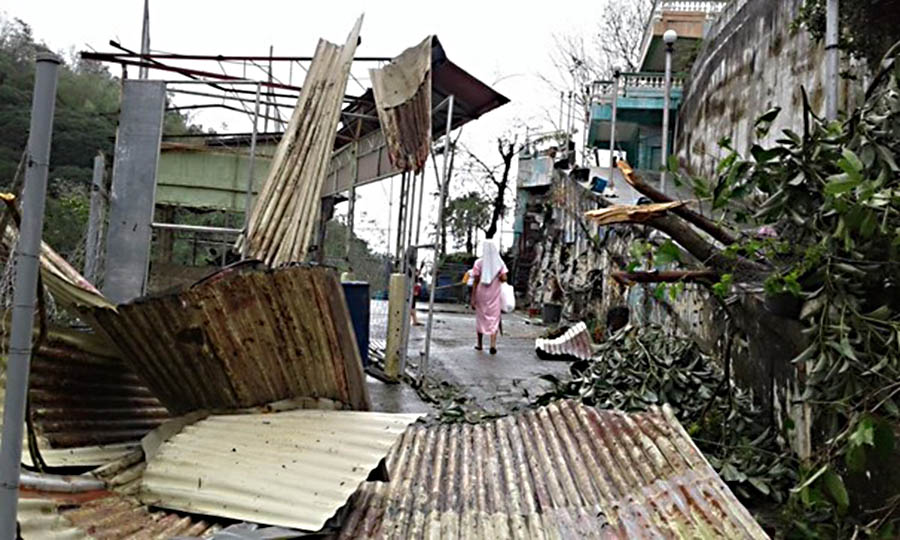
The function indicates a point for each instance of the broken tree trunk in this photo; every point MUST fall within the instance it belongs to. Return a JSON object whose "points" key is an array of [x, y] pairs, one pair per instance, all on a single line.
{"points": [[687, 214]]}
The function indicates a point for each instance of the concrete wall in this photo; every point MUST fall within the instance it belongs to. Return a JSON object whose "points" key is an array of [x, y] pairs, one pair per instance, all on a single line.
{"points": [[749, 63], [574, 270]]}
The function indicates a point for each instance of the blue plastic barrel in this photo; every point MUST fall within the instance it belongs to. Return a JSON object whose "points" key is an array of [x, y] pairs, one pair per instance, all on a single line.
{"points": [[357, 295]]}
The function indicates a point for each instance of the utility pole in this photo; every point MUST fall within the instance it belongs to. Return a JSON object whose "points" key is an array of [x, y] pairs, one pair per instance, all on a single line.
{"points": [[669, 38], [144, 71], [612, 126], [27, 255], [832, 57]]}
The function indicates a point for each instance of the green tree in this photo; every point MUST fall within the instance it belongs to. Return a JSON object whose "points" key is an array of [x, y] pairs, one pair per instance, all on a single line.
{"points": [[87, 109], [868, 27], [465, 215]]}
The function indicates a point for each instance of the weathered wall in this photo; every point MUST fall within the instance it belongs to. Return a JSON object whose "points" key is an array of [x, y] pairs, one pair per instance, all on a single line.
{"points": [[574, 270], [749, 63]]}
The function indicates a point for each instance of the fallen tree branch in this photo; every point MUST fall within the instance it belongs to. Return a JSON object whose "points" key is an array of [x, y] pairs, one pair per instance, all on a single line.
{"points": [[685, 213], [744, 270], [671, 276]]}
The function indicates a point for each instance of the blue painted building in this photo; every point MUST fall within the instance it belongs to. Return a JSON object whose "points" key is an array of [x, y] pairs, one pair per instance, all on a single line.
{"points": [[640, 99]]}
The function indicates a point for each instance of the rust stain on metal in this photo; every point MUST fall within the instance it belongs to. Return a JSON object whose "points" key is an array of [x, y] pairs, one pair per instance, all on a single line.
{"points": [[575, 344], [402, 92], [242, 340], [86, 405], [101, 515], [562, 471]]}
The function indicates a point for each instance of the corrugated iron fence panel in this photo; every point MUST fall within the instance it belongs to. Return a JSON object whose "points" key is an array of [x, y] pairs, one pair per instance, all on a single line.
{"points": [[562, 471], [242, 340]]}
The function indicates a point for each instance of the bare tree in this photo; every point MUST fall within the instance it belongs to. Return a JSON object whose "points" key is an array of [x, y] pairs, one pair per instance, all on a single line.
{"points": [[498, 177], [615, 41]]}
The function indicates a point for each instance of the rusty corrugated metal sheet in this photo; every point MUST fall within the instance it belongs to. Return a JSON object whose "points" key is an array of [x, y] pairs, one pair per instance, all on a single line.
{"points": [[403, 98], [85, 405], [279, 228], [242, 340], [575, 344], [101, 515], [292, 469], [562, 471]]}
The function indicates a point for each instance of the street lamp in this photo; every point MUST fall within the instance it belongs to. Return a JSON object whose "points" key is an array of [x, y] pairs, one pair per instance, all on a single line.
{"points": [[669, 39], [612, 126]]}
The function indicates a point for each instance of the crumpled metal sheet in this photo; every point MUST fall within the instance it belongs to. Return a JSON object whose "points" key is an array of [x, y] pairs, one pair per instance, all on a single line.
{"points": [[575, 344], [86, 405], [290, 469], [69, 288], [243, 339], [101, 515], [561, 471], [402, 92]]}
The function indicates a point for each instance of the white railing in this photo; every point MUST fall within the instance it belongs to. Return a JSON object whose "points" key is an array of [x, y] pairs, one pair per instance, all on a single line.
{"points": [[693, 6], [602, 90]]}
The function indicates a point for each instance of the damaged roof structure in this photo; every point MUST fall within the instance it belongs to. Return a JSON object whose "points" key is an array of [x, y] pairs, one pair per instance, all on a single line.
{"points": [[242, 398], [562, 471]]}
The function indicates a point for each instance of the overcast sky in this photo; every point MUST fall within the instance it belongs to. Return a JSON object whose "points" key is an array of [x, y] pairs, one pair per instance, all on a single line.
{"points": [[503, 43]]}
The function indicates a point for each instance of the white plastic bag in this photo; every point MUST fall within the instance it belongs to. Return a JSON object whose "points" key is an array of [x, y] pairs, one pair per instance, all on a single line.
{"points": [[507, 298]]}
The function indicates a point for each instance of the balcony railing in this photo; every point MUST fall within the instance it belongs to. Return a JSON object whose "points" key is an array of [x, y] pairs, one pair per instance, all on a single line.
{"points": [[631, 82], [693, 6]]}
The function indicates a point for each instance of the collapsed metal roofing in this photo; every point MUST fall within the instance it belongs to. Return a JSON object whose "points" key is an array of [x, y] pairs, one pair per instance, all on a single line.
{"points": [[86, 406], [101, 515], [574, 344], [291, 469], [562, 471], [242, 339]]}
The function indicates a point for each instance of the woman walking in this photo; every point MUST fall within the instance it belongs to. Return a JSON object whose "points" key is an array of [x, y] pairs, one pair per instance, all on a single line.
{"points": [[489, 273]]}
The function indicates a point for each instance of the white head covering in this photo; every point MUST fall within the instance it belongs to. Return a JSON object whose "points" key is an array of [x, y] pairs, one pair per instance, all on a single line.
{"points": [[491, 263]]}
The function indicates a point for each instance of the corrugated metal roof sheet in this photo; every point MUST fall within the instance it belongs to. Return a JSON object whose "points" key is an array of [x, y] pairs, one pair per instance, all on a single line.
{"points": [[86, 405], [292, 469], [562, 471], [402, 91], [574, 344], [243, 339], [100, 515], [280, 227]]}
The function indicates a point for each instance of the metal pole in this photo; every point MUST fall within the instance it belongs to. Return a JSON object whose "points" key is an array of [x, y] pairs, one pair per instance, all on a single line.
{"points": [[245, 245], [562, 107], [390, 215], [95, 220], [419, 214], [438, 248], [401, 216], [612, 127], [27, 254], [832, 57], [351, 212], [412, 205], [266, 116], [666, 100], [144, 70]]}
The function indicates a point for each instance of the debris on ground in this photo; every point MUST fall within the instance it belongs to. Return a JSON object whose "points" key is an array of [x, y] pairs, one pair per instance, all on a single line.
{"points": [[573, 344], [641, 368]]}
